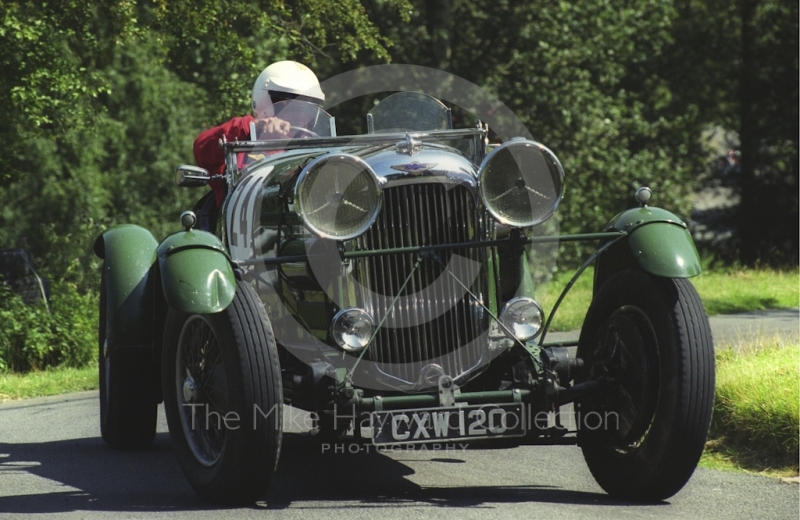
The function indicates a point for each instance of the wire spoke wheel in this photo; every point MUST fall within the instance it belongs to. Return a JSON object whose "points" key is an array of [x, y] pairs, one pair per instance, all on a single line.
{"points": [[223, 397], [201, 390], [622, 352], [650, 336]]}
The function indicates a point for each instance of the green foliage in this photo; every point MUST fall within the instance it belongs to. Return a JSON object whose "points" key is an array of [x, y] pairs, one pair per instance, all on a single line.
{"points": [[622, 92], [736, 64], [152, 118], [111, 162], [118, 172], [55, 52], [222, 47], [31, 338], [108, 95], [585, 79], [44, 89], [103, 100]]}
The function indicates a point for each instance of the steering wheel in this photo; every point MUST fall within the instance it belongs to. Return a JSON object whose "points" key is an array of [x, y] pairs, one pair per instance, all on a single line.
{"points": [[304, 131]]}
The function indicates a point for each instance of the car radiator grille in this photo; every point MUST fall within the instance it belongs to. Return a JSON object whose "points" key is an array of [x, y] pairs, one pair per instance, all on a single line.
{"points": [[434, 321]]}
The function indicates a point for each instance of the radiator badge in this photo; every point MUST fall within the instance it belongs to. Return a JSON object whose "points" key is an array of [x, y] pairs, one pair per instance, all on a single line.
{"points": [[415, 168]]}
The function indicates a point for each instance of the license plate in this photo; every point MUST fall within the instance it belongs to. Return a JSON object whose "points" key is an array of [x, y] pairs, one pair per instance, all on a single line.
{"points": [[454, 423]]}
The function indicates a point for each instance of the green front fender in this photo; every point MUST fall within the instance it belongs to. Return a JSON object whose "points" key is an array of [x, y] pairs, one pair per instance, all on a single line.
{"points": [[658, 241], [665, 250], [196, 273], [128, 253]]}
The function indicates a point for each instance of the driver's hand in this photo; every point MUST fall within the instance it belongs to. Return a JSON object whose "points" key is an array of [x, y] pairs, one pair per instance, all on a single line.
{"points": [[272, 128]]}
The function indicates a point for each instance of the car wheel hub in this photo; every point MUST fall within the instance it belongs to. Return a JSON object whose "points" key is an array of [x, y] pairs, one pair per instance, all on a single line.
{"points": [[189, 390]]}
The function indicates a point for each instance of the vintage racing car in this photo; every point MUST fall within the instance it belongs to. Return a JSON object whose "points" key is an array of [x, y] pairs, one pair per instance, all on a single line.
{"points": [[383, 283]]}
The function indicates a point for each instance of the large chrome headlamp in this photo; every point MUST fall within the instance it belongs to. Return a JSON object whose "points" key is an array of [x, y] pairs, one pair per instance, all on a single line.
{"points": [[338, 196], [521, 183]]}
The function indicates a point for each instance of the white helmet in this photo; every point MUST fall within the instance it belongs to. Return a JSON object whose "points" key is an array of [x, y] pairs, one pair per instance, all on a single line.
{"points": [[284, 80]]}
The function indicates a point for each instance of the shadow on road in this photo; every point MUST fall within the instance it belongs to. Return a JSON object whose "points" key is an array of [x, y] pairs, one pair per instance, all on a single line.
{"points": [[85, 475]]}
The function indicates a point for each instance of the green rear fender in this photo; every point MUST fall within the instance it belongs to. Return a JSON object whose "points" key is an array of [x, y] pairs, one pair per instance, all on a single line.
{"points": [[658, 242], [196, 273], [129, 253]]}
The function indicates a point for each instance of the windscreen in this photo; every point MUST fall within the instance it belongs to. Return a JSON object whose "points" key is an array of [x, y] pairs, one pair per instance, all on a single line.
{"points": [[305, 119]]}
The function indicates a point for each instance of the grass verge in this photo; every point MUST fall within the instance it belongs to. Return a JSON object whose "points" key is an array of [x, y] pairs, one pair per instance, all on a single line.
{"points": [[47, 382], [739, 290], [723, 291], [756, 411]]}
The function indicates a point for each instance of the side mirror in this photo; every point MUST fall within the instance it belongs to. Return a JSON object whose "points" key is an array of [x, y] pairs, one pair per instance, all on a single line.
{"points": [[191, 176]]}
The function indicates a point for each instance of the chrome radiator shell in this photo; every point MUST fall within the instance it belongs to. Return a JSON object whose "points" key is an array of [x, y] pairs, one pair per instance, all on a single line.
{"points": [[435, 321]]}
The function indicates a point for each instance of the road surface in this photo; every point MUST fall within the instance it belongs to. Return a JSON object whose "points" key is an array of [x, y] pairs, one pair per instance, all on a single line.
{"points": [[53, 462], [737, 331]]}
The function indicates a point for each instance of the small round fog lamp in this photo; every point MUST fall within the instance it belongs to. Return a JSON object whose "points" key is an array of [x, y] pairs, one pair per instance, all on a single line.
{"points": [[352, 329], [522, 317]]}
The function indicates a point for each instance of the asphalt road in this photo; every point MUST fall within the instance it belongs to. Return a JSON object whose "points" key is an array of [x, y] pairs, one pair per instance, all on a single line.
{"points": [[53, 462], [739, 330]]}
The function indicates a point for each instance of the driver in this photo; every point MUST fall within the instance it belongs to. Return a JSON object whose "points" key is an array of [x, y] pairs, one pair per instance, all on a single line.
{"points": [[283, 80]]}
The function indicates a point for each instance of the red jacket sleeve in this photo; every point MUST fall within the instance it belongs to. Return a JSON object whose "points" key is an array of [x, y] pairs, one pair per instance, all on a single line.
{"points": [[208, 154]]}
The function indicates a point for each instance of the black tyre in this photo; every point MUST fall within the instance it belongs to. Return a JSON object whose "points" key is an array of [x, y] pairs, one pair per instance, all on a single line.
{"points": [[223, 398], [650, 335], [128, 382]]}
